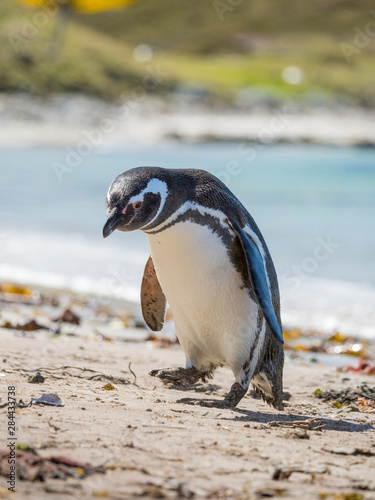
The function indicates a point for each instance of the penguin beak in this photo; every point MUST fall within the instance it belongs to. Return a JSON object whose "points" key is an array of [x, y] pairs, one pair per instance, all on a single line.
{"points": [[114, 219]]}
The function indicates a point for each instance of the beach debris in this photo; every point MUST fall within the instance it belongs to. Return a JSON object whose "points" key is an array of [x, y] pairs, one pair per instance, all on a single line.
{"points": [[69, 370], [282, 473], [16, 289], [22, 404], [101, 494], [12, 293], [34, 467], [297, 339], [162, 342], [108, 387], [293, 334], [270, 492], [36, 378], [68, 316], [364, 452], [101, 377], [28, 326], [366, 405], [134, 375], [25, 447], [351, 495], [55, 427], [337, 404], [69, 491], [171, 488], [48, 399], [346, 396], [313, 341], [338, 337], [364, 367], [312, 424]]}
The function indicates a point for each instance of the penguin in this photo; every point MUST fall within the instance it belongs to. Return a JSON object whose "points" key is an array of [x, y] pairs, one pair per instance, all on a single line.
{"points": [[210, 262]]}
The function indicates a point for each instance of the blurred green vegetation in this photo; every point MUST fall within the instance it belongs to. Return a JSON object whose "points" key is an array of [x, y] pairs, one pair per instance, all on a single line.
{"points": [[222, 50]]}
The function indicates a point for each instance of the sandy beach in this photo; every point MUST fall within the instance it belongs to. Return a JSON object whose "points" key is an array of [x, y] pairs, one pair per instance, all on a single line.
{"points": [[132, 439], [90, 123]]}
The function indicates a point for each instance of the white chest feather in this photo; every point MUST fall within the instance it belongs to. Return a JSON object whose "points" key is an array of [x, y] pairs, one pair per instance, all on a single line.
{"points": [[215, 318]]}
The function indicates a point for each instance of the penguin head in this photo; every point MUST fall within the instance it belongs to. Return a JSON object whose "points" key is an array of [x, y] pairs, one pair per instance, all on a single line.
{"points": [[135, 199]]}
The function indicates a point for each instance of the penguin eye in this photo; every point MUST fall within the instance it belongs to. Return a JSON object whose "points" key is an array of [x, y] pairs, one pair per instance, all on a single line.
{"points": [[137, 205]]}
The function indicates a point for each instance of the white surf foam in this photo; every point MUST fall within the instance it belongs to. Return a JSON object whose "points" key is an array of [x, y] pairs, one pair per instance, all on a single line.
{"points": [[72, 262], [330, 306]]}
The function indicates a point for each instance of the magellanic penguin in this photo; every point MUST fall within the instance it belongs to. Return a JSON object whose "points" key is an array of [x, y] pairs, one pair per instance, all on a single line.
{"points": [[211, 263]]}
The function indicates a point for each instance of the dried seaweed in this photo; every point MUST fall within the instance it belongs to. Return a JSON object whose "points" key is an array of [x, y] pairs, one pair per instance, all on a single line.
{"points": [[65, 371], [348, 395], [33, 467], [313, 424]]}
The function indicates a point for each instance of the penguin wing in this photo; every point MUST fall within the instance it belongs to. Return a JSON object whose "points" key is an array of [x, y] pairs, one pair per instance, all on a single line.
{"points": [[258, 279], [153, 300]]}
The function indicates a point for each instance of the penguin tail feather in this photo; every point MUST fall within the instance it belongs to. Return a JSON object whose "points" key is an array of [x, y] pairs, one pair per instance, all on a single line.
{"points": [[267, 398], [268, 378]]}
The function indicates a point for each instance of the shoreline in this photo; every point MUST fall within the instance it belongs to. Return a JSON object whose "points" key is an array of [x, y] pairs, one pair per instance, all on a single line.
{"points": [[320, 305], [71, 120], [308, 337]]}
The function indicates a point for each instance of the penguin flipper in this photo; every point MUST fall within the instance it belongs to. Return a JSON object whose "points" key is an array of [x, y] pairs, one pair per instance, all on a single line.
{"points": [[258, 279], [153, 301]]}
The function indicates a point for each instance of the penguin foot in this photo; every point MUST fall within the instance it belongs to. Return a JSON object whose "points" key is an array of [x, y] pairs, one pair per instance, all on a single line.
{"points": [[231, 400], [179, 377]]}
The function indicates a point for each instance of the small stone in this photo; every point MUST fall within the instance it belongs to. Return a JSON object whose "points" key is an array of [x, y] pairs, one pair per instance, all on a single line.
{"points": [[68, 316], [36, 378]]}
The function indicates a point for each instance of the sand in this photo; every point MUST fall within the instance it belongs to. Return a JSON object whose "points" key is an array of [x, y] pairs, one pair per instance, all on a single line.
{"points": [[152, 447], [73, 119]]}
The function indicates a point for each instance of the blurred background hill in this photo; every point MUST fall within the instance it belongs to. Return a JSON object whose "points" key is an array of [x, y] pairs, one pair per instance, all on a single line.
{"points": [[315, 52]]}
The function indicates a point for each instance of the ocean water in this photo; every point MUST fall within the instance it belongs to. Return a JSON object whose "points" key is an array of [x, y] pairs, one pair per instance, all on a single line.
{"points": [[315, 206]]}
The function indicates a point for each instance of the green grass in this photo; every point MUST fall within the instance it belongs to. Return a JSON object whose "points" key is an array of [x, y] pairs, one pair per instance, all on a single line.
{"points": [[195, 25], [248, 48], [326, 72], [88, 62]]}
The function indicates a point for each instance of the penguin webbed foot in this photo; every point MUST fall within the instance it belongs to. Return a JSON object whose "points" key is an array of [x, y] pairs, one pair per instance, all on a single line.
{"points": [[231, 400], [178, 377]]}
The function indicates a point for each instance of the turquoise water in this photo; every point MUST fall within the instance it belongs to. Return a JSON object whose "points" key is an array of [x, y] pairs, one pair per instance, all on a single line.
{"points": [[297, 194]]}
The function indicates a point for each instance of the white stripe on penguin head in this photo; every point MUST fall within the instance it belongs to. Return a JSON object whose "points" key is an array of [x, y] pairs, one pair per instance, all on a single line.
{"points": [[155, 186]]}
